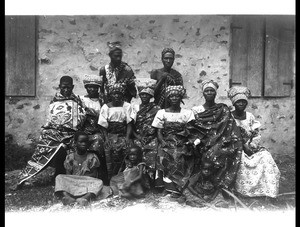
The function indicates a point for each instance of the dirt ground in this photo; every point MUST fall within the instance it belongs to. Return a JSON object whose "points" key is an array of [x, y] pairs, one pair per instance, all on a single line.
{"points": [[38, 195]]}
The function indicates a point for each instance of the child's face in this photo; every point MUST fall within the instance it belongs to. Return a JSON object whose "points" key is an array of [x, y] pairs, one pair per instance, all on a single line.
{"points": [[82, 143], [133, 156], [66, 88], [206, 169], [240, 105], [92, 90]]}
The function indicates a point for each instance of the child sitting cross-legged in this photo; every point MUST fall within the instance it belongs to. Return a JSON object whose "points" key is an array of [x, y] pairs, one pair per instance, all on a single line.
{"points": [[133, 181], [80, 184]]}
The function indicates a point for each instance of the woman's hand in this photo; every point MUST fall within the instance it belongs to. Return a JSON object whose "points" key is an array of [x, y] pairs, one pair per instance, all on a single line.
{"points": [[247, 150], [163, 143], [107, 144], [128, 142]]}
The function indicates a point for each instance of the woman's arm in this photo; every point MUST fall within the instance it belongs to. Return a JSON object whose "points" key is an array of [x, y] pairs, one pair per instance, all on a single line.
{"points": [[102, 73], [160, 137], [129, 132], [159, 84]]}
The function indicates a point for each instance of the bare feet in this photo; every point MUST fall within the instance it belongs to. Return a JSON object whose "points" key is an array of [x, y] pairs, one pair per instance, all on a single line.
{"points": [[82, 202], [67, 200], [16, 187]]}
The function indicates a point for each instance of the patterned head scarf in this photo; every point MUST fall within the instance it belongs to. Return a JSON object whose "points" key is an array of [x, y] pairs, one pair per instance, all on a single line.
{"points": [[209, 83], [117, 87], [66, 79], [113, 46], [167, 50], [91, 80], [178, 90], [237, 93], [147, 90]]}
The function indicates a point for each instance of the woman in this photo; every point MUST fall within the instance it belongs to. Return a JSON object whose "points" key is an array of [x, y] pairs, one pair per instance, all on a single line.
{"points": [[117, 71], [174, 158], [92, 106], [116, 119], [66, 116], [144, 133], [219, 137], [258, 174], [165, 77]]}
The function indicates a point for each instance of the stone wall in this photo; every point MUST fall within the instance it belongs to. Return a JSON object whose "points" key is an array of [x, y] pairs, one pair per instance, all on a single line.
{"points": [[76, 45]]}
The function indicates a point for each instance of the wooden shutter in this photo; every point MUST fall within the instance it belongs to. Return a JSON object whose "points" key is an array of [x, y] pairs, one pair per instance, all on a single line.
{"points": [[247, 53], [279, 59], [20, 55]]}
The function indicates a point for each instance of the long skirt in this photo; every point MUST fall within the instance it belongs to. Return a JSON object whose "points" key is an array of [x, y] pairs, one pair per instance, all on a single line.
{"points": [[149, 155], [258, 175], [51, 144], [78, 185]]}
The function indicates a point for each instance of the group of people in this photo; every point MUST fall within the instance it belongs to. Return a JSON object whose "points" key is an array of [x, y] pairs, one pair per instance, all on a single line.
{"points": [[100, 144]]}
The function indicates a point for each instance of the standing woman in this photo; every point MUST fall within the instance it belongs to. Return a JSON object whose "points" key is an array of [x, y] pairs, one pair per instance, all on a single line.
{"points": [[116, 119], [91, 102], [258, 174], [165, 77], [117, 71], [174, 159], [220, 140], [146, 135]]}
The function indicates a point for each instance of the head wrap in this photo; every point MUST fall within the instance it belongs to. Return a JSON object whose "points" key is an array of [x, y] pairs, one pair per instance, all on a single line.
{"points": [[113, 46], [66, 79], [167, 50], [91, 80], [178, 90], [237, 93], [209, 83], [117, 87], [147, 90]]}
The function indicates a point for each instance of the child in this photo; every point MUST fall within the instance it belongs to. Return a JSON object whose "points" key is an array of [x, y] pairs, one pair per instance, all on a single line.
{"points": [[132, 181], [204, 189], [258, 174], [80, 183]]}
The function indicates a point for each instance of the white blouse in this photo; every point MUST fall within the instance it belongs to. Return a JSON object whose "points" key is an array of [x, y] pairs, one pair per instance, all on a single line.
{"points": [[91, 103], [162, 116], [250, 125], [116, 114]]}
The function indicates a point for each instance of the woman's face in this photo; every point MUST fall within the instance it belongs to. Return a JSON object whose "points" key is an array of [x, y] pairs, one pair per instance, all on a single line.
{"points": [[209, 94], [168, 60], [145, 97], [117, 97], [116, 57], [175, 99], [240, 105], [92, 90]]}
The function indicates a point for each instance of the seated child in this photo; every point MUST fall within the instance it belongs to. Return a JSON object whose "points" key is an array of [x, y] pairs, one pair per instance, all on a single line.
{"points": [[79, 184], [204, 189], [133, 181]]}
